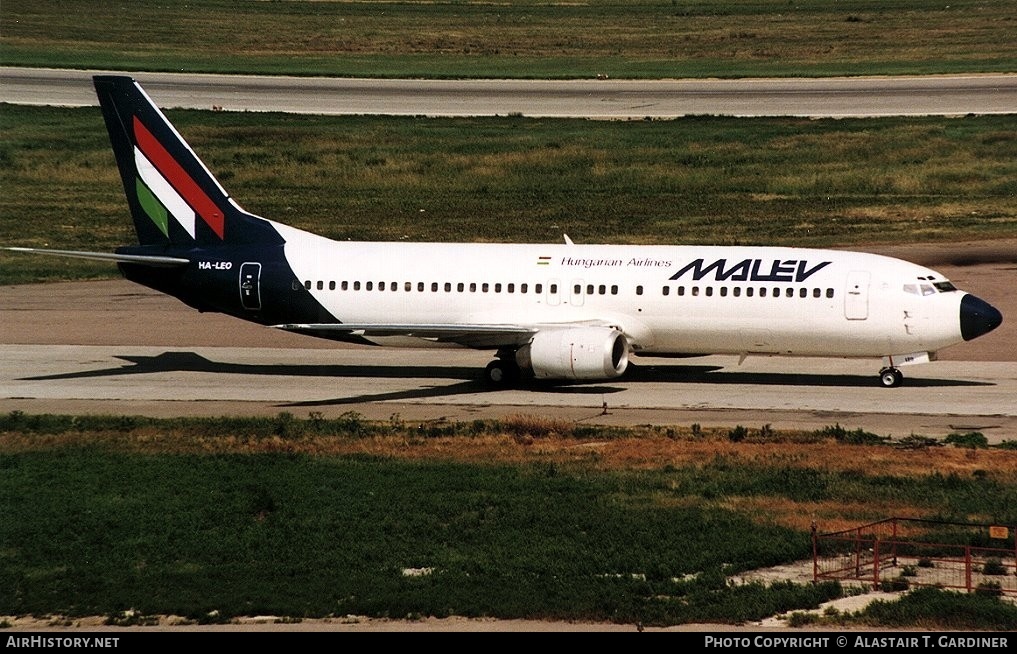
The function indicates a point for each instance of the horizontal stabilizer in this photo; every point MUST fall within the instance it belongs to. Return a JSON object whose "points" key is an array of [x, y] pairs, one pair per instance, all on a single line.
{"points": [[143, 259]]}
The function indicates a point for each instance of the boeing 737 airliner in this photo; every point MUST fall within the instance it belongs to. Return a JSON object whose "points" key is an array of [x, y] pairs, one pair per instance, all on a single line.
{"points": [[561, 312]]}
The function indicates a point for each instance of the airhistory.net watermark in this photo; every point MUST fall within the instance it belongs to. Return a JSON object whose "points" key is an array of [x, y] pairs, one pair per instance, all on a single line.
{"points": [[68, 642]]}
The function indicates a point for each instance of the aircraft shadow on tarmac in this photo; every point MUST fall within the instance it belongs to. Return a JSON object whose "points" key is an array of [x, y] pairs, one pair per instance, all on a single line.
{"points": [[193, 362], [470, 377]]}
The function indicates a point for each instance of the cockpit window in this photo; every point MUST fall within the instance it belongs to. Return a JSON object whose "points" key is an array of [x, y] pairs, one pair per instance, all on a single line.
{"points": [[925, 288]]}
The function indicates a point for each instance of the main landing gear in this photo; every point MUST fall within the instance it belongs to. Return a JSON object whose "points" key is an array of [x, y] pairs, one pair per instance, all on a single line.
{"points": [[891, 377], [503, 372]]}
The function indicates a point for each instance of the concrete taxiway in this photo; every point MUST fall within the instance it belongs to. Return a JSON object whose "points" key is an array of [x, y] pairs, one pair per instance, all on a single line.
{"points": [[938, 398], [589, 98]]}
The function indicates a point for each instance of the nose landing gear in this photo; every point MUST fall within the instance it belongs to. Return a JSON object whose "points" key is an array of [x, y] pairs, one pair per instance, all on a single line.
{"points": [[891, 377]]}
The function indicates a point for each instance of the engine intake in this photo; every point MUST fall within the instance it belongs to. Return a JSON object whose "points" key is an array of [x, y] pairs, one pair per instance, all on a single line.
{"points": [[576, 353]]}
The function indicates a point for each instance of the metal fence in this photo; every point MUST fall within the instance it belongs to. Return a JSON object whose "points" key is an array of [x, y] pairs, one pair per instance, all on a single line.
{"points": [[899, 553]]}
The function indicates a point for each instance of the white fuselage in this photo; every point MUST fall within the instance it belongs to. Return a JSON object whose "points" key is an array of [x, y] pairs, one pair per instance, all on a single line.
{"points": [[665, 299]]}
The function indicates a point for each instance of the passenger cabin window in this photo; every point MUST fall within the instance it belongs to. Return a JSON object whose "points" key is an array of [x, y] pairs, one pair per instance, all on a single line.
{"points": [[920, 288]]}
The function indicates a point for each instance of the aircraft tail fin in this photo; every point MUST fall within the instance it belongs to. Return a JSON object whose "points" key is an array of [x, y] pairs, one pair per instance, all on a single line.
{"points": [[174, 199]]}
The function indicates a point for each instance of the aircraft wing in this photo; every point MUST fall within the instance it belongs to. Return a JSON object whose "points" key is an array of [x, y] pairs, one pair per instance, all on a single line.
{"points": [[476, 336], [145, 259]]}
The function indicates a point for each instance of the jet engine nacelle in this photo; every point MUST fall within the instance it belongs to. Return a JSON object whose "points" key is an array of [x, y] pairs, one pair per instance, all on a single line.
{"points": [[576, 353]]}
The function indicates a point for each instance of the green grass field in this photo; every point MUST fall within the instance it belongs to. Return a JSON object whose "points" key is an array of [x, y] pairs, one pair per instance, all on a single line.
{"points": [[211, 519], [696, 180], [519, 39]]}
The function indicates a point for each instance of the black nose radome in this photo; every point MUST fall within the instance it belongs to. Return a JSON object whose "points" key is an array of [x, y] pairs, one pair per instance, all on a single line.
{"points": [[977, 317]]}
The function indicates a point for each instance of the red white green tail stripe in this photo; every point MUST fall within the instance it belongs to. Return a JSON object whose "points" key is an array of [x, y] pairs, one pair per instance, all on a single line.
{"points": [[164, 189]]}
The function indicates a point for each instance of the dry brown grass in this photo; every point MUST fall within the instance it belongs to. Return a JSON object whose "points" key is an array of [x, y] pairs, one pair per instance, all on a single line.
{"points": [[547, 441]]}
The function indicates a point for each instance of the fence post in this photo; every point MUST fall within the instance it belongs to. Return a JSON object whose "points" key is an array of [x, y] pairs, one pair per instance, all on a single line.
{"points": [[894, 542], [815, 554], [967, 567], [858, 554], [875, 563]]}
